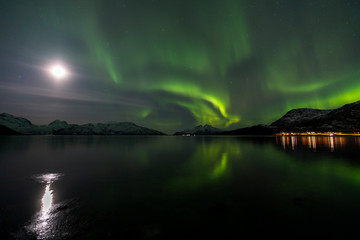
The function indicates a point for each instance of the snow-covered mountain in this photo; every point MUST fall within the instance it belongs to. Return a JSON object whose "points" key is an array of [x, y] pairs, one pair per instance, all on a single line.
{"points": [[17, 124], [299, 117], [57, 125], [200, 130], [345, 118], [24, 126]]}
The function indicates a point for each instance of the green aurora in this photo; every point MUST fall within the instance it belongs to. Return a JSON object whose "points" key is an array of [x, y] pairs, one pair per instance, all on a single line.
{"points": [[225, 63]]}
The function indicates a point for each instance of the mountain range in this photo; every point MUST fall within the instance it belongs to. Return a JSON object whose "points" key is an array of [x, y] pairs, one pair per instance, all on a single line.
{"points": [[16, 125], [343, 119]]}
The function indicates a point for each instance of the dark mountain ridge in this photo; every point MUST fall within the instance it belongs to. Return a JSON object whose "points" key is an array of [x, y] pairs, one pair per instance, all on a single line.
{"points": [[7, 131]]}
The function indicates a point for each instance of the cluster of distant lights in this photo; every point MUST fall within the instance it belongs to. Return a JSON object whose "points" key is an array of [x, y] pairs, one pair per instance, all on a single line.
{"points": [[317, 134]]}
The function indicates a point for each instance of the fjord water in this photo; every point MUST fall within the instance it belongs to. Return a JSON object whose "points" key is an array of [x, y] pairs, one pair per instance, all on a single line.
{"points": [[164, 187]]}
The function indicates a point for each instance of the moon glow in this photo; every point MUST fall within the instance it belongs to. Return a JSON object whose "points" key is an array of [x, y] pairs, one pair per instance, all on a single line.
{"points": [[58, 71]]}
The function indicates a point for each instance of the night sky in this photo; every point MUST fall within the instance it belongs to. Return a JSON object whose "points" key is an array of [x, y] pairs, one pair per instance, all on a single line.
{"points": [[174, 64]]}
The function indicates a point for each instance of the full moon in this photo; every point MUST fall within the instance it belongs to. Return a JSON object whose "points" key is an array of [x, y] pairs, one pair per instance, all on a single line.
{"points": [[58, 71]]}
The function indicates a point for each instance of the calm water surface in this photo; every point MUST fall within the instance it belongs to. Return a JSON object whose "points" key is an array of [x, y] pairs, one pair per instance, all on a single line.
{"points": [[163, 187]]}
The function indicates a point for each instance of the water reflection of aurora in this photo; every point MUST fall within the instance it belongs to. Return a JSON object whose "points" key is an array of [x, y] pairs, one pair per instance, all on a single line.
{"points": [[208, 163]]}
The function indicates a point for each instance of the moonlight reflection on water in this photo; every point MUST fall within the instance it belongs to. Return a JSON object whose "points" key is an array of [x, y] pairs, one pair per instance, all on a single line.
{"points": [[43, 221], [47, 201]]}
